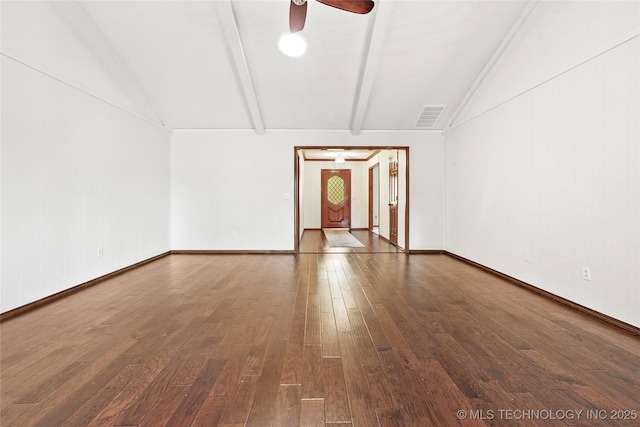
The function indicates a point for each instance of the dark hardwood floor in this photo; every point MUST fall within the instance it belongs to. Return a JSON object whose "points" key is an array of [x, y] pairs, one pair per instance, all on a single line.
{"points": [[355, 339], [313, 241]]}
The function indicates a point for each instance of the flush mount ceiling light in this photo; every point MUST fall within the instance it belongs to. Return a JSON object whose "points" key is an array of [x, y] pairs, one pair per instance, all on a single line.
{"points": [[293, 45]]}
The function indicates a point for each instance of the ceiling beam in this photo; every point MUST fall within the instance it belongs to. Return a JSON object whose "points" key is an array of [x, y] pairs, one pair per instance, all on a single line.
{"points": [[369, 64], [497, 54], [113, 60], [227, 21]]}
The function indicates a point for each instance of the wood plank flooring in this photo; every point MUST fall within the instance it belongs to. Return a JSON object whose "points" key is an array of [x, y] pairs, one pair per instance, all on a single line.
{"points": [[313, 241], [335, 339]]}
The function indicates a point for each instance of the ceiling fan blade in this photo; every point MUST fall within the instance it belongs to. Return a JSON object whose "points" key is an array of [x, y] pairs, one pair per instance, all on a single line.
{"points": [[297, 16], [355, 6]]}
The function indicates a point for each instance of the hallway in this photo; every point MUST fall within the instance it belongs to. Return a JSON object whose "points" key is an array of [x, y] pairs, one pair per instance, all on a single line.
{"points": [[313, 241]]}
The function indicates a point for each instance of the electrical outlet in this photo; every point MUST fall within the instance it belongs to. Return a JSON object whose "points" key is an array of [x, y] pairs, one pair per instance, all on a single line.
{"points": [[586, 273], [234, 234], [99, 253]]}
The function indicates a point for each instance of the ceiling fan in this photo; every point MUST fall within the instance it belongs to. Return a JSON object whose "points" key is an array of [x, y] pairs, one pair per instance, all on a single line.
{"points": [[298, 10]]}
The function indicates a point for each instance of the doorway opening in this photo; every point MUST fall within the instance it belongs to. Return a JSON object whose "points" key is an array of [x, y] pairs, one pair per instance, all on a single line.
{"points": [[370, 196]]}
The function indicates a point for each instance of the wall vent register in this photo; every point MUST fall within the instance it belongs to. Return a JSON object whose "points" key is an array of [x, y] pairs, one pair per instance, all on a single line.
{"points": [[429, 116]]}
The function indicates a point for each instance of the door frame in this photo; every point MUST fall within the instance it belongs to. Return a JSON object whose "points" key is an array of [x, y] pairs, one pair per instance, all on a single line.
{"points": [[371, 186], [370, 179], [296, 187]]}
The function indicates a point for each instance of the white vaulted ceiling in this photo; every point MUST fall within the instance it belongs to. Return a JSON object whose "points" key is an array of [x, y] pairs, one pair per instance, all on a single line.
{"points": [[216, 64]]}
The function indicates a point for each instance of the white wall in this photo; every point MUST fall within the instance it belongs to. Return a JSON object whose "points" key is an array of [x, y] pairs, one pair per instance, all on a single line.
{"points": [[57, 38], [548, 182], [225, 181], [557, 36], [359, 192], [77, 174]]}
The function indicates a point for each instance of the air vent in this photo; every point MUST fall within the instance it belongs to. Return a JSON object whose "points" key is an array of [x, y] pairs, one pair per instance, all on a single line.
{"points": [[429, 116]]}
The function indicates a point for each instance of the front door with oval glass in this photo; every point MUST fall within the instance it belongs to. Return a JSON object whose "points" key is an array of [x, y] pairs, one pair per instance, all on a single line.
{"points": [[336, 198]]}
